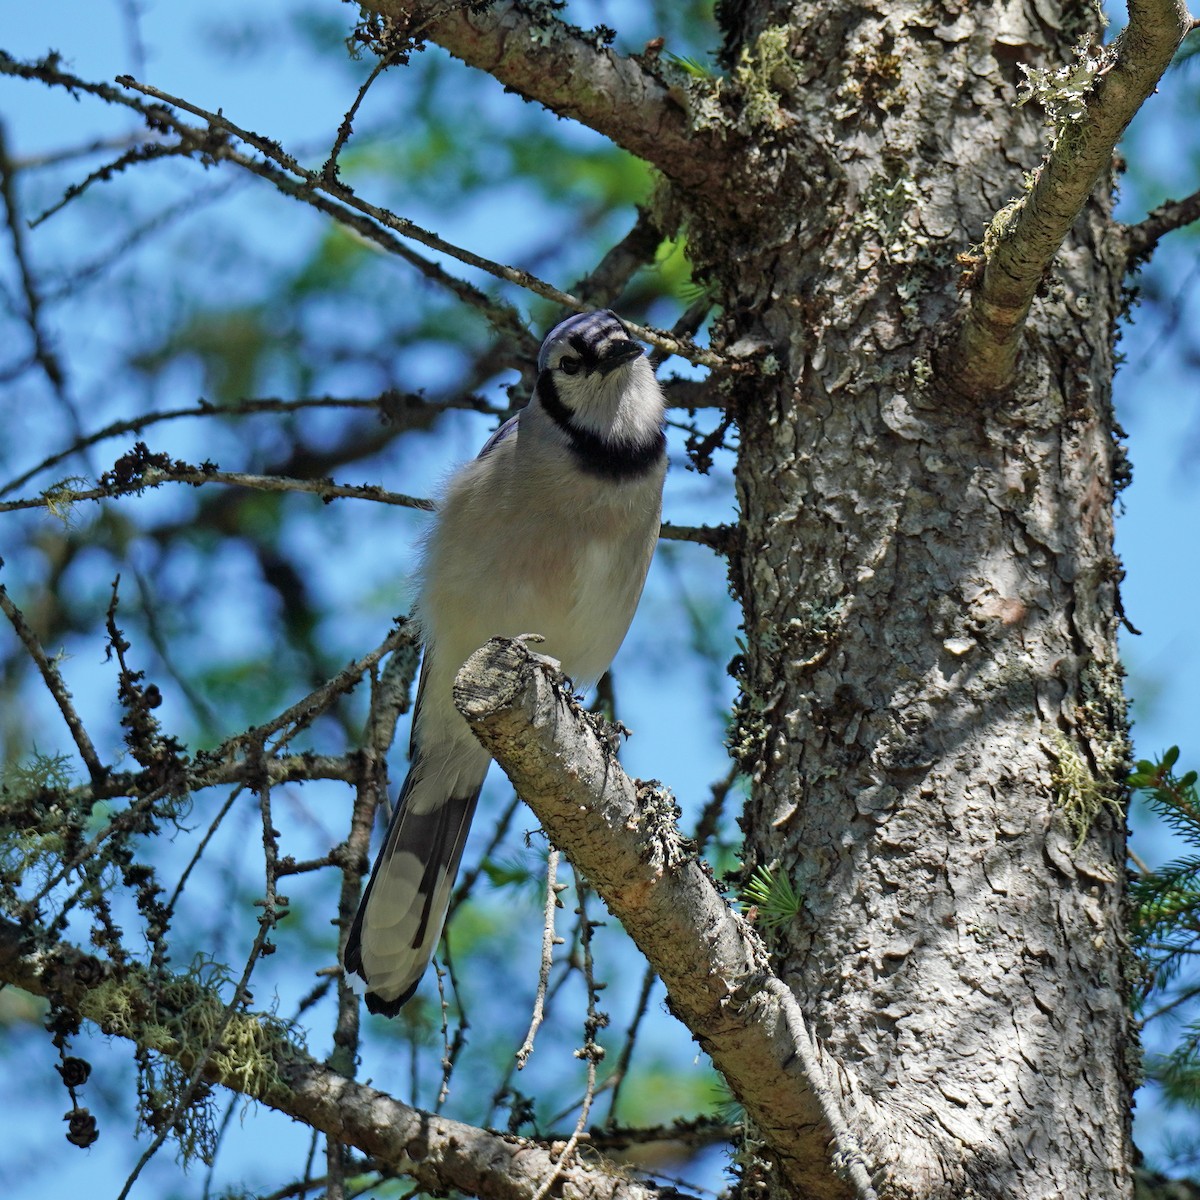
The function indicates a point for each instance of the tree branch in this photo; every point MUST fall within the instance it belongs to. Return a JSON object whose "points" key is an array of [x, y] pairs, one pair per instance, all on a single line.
{"points": [[438, 1153], [315, 189], [1142, 238], [529, 50], [623, 837], [411, 409], [1109, 85], [60, 498], [57, 687]]}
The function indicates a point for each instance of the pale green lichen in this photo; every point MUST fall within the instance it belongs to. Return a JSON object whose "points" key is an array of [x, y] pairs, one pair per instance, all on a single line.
{"points": [[1002, 226], [764, 74], [1062, 91], [887, 208], [1078, 794], [748, 732], [24, 779], [183, 1021], [60, 498], [872, 79], [809, 634]]}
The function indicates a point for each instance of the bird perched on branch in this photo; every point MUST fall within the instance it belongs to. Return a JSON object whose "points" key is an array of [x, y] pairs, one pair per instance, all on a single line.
{"points": [[549, 531]]}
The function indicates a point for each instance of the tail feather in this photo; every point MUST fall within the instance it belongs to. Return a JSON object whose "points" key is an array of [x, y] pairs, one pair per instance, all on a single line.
{"points": [[403, 909]]}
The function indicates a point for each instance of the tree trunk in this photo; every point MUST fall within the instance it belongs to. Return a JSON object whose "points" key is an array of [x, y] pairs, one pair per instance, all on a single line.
{"points": [[932, 707]]}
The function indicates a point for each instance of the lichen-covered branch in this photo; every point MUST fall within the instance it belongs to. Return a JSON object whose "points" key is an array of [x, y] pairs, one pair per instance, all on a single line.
{"points": [[623, 837], [61, 497], [529, 50], [1090, 103], [175, 1016]]}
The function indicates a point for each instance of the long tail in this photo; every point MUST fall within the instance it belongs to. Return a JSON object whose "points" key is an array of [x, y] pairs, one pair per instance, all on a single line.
{"points": [[403, 909]]}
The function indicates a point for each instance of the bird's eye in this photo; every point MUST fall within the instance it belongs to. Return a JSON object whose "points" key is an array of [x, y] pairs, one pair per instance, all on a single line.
{"points": [[569, 365]]}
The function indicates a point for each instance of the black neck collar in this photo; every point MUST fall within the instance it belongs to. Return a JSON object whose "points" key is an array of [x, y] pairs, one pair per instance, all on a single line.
{"points": [[608, 459]]}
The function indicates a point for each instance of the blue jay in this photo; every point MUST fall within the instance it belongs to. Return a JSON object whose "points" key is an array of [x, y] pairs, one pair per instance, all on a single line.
{"points": [[549, 531]]}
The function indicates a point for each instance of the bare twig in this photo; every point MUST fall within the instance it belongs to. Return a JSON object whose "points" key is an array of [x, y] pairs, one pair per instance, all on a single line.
{"points": [[295, 180], [720, 538], [393, 405], [346, 128], [54, 158], [303, 712], [591, 1051], [314, 181], [606, 281], [549, 941], [1142, 238], [209, 834], [469, 878], [59, 498], [43, 352], [621, 1070], [57, 688]]}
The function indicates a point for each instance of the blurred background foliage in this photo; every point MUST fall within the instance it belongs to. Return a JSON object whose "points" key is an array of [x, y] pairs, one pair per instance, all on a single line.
{"points": [[171, 287]]}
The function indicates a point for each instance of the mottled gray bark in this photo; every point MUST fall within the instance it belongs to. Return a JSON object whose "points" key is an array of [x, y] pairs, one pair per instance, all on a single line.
{"points": [[933, 711]]}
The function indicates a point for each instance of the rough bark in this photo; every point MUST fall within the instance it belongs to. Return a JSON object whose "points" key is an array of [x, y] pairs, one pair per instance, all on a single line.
{"points": [[931, 683]]}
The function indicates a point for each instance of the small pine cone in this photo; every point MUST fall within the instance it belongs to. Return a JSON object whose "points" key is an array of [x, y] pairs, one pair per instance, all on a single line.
{"points": [[74, 1071], [81, 1127]]}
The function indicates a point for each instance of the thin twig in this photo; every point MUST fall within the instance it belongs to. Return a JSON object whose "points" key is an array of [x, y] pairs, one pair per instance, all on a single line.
{"points": [[607, 280], [214, 825], [1142, 238], [706, 826], [43, 351], [58, 689], [1187, 994], [468, 879], [549, 941], [61, 497], [346, 128], [720, 538], [591, 1051], [305, 184], [621, 1070], [301, 714], [54, 158], [390, 404], [314, 179]]}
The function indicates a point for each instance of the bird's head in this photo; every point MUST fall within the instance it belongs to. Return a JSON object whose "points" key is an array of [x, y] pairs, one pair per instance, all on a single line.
{"points": [[593, 376]]}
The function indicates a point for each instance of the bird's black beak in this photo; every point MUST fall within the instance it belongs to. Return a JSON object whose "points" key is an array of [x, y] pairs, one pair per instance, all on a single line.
{"points": [[618, 354]]}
